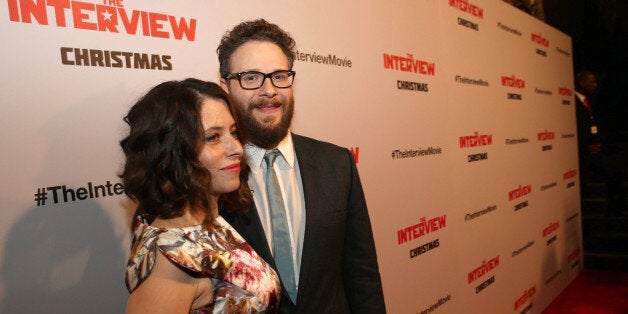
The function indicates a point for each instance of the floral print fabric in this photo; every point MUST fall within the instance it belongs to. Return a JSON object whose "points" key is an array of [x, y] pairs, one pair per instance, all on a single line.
{"points": [[242, 281]]}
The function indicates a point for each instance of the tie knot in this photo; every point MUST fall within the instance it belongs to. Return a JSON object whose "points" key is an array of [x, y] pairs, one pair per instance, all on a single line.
{"points": [[270, 157]]}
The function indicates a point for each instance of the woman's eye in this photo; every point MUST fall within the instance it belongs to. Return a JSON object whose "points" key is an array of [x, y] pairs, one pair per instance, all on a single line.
{"points": [[235, 134], [212, 138]]}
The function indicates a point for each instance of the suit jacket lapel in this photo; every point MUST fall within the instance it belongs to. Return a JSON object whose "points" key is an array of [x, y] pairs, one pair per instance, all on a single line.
{"points": [[249, 226], [306, 157]]}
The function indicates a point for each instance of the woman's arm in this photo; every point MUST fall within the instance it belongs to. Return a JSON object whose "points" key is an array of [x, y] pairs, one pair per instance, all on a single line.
{"points": [[168, 289]]}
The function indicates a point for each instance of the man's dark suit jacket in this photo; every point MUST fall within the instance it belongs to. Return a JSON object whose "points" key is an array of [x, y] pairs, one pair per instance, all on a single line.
{"points": [[339, 272], [585, 121]]}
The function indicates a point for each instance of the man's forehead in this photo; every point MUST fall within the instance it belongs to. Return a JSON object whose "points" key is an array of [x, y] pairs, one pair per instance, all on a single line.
{"points": [[259, 56]]}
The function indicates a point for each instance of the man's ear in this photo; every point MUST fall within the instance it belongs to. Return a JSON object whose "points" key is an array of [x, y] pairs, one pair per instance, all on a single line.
{"points": [[223, 84]]}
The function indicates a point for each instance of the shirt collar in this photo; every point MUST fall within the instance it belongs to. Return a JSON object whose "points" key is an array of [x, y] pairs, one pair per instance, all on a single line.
{"points": [[255, 155], [580, 96]]}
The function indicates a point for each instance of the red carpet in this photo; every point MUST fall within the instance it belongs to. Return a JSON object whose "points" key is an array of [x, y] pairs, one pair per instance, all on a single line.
{"points": [[593, 292]]}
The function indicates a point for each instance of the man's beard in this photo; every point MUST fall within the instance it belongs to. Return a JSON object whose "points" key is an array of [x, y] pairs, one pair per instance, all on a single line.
{"points": [[262, 135]]}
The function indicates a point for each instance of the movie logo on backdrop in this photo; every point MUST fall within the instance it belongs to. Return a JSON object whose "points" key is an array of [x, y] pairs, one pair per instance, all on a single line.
{"points": [[477, 157], [468, 24], [548, 186], [414, 86], [476, 140], [481, 212], [541, 91], [525, 297], [517, 140], [112, 18], [572, 217], [570, 177], [513, 82], [409, 64], [471, 81], [545, 136], [115, 59], [62, 194], [522, 249], [509, 29], [550, 230], [568, 135], [539, 39], [424, 248], [481, 271], [471, 9], [436, 304], [563, 52], [415, 153], [567, 92], [325, 59], [519, 192], [422, 228], [467, 7]]}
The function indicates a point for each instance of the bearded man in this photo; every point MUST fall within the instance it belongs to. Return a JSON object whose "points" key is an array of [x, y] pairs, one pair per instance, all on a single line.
{"points": [[309, 218]]}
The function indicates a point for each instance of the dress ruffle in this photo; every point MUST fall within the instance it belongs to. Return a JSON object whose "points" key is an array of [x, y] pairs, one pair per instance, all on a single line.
{"points": [[242, 281]]}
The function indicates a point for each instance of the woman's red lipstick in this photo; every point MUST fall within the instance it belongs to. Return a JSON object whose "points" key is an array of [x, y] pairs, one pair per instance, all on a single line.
{"points": [[233, 168]]}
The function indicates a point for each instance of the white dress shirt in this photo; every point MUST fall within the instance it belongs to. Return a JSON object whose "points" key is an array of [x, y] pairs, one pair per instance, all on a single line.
{"points": [[580, 96], [286, 167]]}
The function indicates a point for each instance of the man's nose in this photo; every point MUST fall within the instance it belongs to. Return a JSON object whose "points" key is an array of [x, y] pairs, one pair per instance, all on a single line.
{"points": [[268, 89]]}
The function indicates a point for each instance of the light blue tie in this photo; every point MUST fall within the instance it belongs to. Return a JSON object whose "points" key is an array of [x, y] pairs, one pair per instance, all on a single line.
{"points": [[281, 239]]}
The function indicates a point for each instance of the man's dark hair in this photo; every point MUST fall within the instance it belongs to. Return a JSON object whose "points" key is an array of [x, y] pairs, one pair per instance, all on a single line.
{"points": [[259, 30]]}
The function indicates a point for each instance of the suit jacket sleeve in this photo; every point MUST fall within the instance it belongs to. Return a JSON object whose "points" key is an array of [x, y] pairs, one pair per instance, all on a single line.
{"points": [[360, 270]]}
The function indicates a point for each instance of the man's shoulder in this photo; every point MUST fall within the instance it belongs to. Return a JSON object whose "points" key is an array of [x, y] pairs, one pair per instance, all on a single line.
{"points": [[300, 140], [310, 148]]}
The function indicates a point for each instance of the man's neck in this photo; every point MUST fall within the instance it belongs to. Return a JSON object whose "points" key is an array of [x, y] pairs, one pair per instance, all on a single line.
{"points": [[275, 145]]}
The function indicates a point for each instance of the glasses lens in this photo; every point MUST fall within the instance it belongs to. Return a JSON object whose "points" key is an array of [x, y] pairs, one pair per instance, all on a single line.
{"points": [[282, 78], [251, 79]]}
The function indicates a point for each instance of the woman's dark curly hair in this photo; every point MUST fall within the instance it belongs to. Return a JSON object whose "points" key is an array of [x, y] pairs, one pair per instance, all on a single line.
{"points": [[162, 172]]}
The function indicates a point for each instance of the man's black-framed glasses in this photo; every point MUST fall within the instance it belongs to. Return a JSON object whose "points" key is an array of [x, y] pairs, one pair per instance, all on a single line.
{"points": [[254, 79]]}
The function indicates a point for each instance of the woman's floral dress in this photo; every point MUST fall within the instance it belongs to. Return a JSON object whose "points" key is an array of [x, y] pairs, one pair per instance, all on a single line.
{"points": [[242, 281]]}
